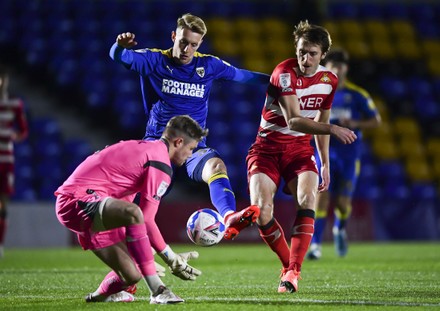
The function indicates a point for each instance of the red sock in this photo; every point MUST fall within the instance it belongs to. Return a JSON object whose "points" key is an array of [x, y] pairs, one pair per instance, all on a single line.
{"points": [[273, 236], [111, 284], [302, 233], [3, 226], [139, 248]]}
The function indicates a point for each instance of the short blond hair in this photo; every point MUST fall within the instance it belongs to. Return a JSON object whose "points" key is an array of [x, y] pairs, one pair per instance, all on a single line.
{"points": [[193, 23]]}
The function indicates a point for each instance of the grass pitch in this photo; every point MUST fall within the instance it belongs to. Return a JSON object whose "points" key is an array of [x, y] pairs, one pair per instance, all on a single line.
{"points": [[383, 276]]}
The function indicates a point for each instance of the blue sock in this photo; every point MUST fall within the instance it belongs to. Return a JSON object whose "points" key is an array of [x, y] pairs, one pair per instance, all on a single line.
{"points": [[320, 221], [340, 223], [222, 196]]}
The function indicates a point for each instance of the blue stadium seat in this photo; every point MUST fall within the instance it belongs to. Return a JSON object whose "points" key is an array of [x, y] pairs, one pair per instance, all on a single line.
{"points": [[393, 88], [45, 127], [424, 192], [419, 86], [391, 170], [395, 10], [371, 10], [343, 9]]}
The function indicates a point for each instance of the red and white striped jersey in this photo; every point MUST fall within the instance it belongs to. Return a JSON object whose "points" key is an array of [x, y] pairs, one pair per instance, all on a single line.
{"points": [[12, 119], [314, 92]]}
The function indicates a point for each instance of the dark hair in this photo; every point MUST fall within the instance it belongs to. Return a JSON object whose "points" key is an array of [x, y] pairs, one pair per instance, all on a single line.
{"points": [[337, 55], [313, 34], [184, 125]]}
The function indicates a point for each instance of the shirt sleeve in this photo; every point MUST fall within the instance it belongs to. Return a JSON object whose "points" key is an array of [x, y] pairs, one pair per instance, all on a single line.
{"points": [[251, 77], [156, 238], [283, 81], [156, 182], [140, 61], [121, 55]]}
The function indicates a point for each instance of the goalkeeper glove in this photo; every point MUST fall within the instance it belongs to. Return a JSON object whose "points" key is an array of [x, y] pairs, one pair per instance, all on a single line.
{"points": [[178, 263]]}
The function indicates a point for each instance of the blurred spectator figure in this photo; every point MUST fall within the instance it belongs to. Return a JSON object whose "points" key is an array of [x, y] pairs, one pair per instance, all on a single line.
{"points": [[352, 107], [13, 128]]}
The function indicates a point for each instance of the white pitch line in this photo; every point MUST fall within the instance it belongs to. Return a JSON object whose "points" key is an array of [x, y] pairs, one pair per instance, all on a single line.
{"points": [[291, 300], [314, 301]]}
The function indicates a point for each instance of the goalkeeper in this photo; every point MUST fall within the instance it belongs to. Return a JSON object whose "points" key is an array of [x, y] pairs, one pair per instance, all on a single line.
{"points": [[95, 202]]}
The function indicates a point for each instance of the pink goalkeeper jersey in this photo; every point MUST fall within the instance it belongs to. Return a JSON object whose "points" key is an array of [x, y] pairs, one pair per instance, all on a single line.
{"points": [[314, 92], [122, 170]]}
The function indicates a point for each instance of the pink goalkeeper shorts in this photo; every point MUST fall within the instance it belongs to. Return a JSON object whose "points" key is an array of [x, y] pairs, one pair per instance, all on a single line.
{"points": [[77, 215]]}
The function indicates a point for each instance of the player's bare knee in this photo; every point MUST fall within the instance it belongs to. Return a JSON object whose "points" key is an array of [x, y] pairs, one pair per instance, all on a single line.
{"points": [[131, 278], [307, 201], [266, 213], [133, 214], [216, 165]]}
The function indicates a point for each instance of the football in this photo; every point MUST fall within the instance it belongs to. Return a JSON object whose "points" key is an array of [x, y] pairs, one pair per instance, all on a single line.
{"points": [[205, 227]]}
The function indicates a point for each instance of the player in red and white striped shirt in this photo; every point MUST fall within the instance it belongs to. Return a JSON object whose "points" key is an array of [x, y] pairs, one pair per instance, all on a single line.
{"points": [[13, 128], [297, 106]]}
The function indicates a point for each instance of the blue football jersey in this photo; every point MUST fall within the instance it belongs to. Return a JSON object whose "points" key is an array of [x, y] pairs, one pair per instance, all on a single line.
{"points": [[170, 89], [350, 102]]}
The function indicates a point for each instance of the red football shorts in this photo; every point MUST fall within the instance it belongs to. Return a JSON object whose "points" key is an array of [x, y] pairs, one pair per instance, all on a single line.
{"points": [[278, 161]]}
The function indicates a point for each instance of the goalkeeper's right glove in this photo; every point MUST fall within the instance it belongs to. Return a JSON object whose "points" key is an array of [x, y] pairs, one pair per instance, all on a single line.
{"points": [[178, 263]]}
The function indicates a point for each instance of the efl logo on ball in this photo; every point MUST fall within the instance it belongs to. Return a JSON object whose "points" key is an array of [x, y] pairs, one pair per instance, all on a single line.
{"points": [[205, 227]]}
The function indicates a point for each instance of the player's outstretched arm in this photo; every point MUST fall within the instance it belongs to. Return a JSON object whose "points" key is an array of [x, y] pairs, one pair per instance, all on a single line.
{"points": [[119, 50], [253, 77]]}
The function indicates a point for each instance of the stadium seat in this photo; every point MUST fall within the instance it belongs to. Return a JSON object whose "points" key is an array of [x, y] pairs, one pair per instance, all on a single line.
{"points": [[333, 28], [433, 147], [402, 29], [393, 88], [382, 49], [406, 128], [424, 191], [221, 28], [247, 28], [376, 30], [351, 29], [371, 10], [391, 171], [427, 108], [273, 28], [385, 149], [394, 10], [418, 169], [411, 149], [343, 9], [45, 127]]}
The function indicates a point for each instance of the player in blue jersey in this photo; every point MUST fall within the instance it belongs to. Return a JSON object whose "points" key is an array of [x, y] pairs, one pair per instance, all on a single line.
{"points": [[178, 81], [353, 108]]}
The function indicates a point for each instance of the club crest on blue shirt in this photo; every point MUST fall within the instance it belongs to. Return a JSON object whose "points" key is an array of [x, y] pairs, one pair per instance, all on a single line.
{"points": [[200, 71]]}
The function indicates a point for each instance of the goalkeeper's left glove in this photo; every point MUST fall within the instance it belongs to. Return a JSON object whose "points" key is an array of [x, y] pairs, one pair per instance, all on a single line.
{"points": [[178, 263]]}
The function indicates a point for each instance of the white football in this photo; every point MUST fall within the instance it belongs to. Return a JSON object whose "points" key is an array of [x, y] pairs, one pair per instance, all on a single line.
{"points": [[205, 227]]}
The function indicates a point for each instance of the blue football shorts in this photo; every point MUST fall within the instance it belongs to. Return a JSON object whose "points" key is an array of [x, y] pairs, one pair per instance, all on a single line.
{"points": [[195, 164]]}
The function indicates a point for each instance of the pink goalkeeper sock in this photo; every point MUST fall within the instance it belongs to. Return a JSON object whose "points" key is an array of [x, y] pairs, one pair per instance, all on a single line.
{"points": [[139, 248], [111, 284]]}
